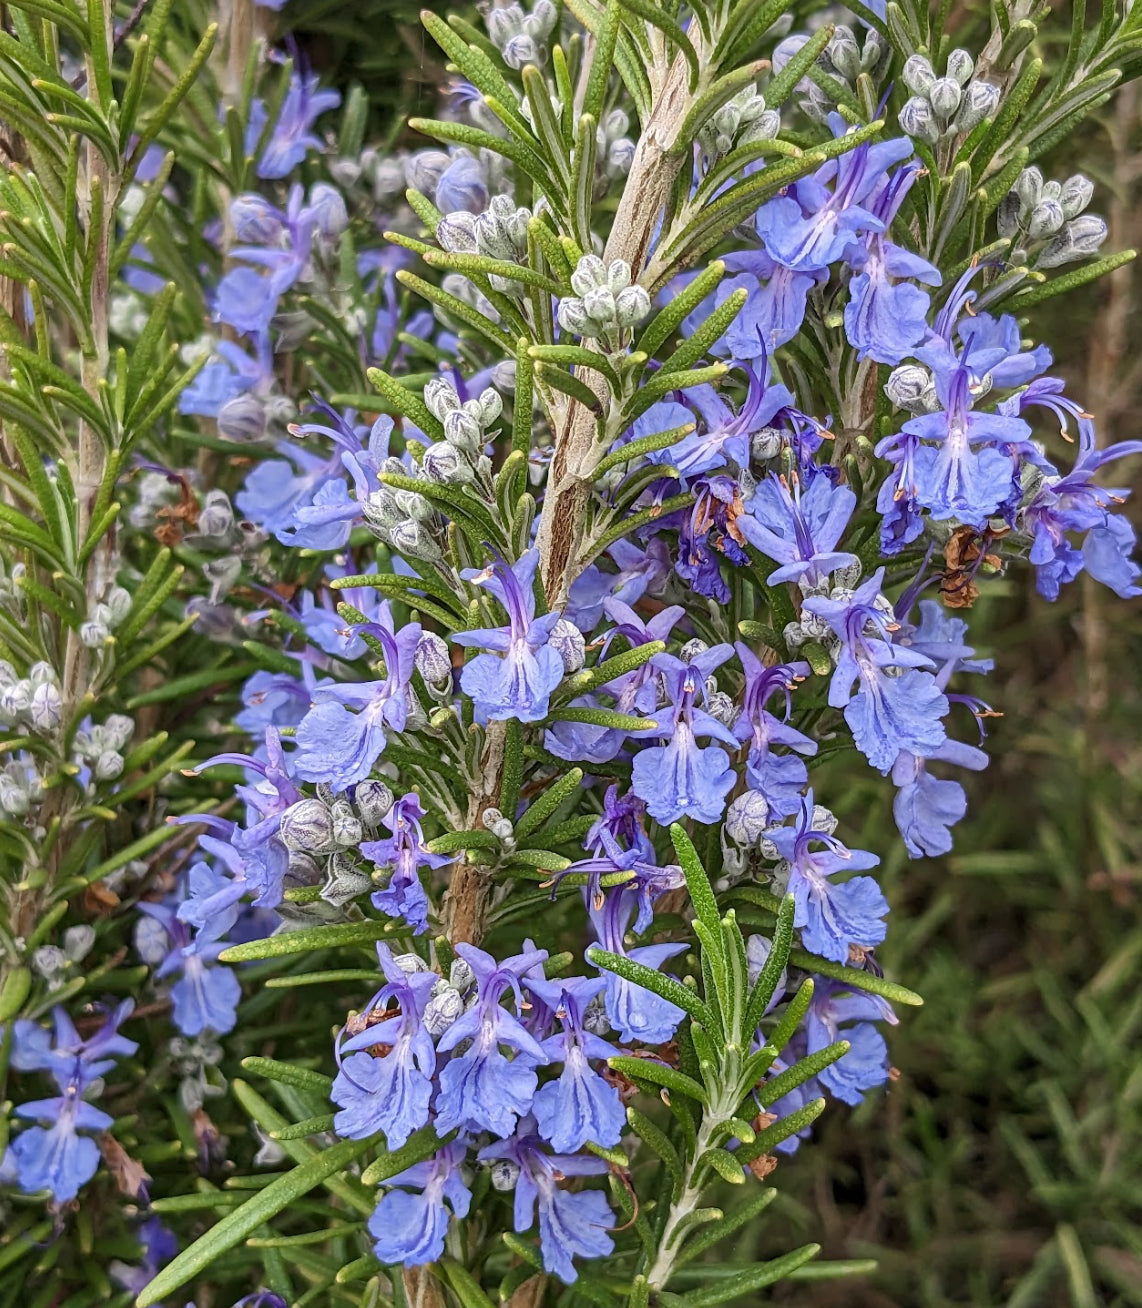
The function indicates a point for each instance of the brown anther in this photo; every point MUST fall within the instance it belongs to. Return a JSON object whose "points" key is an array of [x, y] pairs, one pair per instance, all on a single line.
{"points": [[627, 1090], [374, 1017], [762, 1166]]}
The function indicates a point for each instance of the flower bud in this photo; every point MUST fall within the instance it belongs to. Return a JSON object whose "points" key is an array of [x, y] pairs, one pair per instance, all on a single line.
{"points": [[944, 96], [599, 304], [346, 824], [491, 405], [567, 640], [373, 800], [763, 128], [462, 185], [93, 635], [415, 541], [766, 444], [380, 509], [42, 674], [521, 50], [918, 74], [456, 232], [151, 941], [918, 121], [389, 180], [503, 377], [504, 22], [541, 21], [302, 869], [1029, 187], [77, 942], [1045, 220], [620, 156], [444, 464], [410, 964], [824, 820], [424, 169], [15, 799], [328, 206], [256, 221], [911, 387], [1007, 216], [631, 306], [49, 961], [46, 707], [108, 765], [875, 52], [590, 273], [345, 172], [307, 827], [439, 393], [242, 419], [460, 975], [442, 1010], [216, 518], [16, 700], [844, 53], [615, 123], [721, 707], [118, 730], [494, 238], [980, 101], [1079, 239], [1075, 194], [573, 316], [463, 430], [746, 818], [692, 648], [344, 881], [412, 504], [505, 1174], [432, 661], [960, 65]]}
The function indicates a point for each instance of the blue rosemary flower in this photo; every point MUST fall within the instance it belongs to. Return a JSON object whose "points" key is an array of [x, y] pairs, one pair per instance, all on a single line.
{"points": [[516, 680]]}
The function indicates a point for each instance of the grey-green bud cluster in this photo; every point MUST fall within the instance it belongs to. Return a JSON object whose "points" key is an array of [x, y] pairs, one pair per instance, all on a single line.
{"points": [[605, 303], [105, 616], [500, 827], [1049, 217], [102, 746], [56, 964], [845, 59], [33, 702], [500, 232], [743, 120], [614, 149], [21, 786], [520, 37], [945, 106]]}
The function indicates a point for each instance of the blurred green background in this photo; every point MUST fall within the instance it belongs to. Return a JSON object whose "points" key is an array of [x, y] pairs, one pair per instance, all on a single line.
{"points": [[1004, 1167]]}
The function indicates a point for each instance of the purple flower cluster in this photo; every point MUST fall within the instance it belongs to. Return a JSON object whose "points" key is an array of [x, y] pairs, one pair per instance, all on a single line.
{"points": [[50, 1153], [771, 603], [452, 1053]]}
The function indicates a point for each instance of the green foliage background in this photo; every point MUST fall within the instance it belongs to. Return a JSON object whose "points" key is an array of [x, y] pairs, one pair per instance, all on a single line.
{"points": [[1004, 1168]]}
